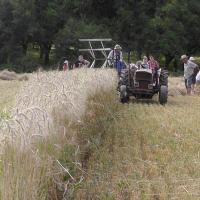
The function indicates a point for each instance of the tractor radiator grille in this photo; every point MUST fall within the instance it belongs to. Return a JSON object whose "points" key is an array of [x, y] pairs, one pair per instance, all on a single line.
{"points": [[143, 76]]}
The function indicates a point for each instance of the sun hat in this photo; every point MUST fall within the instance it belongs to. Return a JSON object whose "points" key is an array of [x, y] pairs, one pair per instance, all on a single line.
{"points": [[183, 57], [192, 59], [66, 62], [145, 57], [117, 46]]}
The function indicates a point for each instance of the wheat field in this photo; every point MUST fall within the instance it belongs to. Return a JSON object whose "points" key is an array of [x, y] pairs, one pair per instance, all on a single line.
{"points": [[68, 137], [37, 134]]}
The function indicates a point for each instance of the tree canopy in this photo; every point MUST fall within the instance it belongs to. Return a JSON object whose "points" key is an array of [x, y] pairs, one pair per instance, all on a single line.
{"points": [[165, 28]]}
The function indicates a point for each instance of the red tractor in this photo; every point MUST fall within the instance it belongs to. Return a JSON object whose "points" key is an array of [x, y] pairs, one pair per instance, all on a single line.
{"points": [[143, 84]]}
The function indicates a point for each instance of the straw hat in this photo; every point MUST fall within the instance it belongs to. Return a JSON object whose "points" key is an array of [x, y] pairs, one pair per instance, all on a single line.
{"points": [[117, 47], [184, 57]]}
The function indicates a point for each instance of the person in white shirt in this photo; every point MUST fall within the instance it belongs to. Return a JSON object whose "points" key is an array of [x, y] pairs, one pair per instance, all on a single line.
{"points": [[198, 78], [196, 70], [115, 58], [145, 62], [115, 55], [189, 67]]}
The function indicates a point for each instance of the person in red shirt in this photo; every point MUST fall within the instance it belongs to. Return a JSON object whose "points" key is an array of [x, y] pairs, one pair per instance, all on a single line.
{"points": [[153, 64], [65, 65]]}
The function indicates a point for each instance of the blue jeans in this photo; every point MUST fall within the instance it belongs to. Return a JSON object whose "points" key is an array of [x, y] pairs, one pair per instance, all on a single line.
{"points": [[189, 82], [119, 66]]}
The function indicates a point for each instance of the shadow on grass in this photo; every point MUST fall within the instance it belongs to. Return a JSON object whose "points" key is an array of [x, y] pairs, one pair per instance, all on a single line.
{"points": [[172, 101], [144, 101]]}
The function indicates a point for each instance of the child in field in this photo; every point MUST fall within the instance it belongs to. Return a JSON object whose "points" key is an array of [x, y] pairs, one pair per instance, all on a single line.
{"points": [[65, 65]]}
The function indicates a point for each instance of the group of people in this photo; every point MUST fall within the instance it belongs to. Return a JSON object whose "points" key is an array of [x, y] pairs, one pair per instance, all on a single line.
{"points": [[191, 69], [115, 58], [80, 62], [191, 73]]}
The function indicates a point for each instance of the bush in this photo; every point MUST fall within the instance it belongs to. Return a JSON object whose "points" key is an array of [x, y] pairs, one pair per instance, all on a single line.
{"points": [[25, 64]]}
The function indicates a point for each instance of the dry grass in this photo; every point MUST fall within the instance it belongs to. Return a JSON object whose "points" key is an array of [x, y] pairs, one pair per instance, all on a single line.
{"points": [[10, 76], [142, 150], [139, 150], [177, 86]]}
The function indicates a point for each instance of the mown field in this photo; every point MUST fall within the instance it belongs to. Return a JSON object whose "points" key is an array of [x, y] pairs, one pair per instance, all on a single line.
{"points": [[140, 150], [147, 151]]}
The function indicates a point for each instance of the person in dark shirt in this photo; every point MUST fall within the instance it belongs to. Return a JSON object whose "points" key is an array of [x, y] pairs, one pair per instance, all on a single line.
{"points": [[81, 62]]}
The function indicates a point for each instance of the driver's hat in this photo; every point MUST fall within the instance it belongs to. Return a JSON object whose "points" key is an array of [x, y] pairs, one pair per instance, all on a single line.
{"points": [[184, 57], [117, 47]]}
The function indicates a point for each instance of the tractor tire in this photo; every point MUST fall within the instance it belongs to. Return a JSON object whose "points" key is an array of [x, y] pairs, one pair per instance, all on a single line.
{"points": [[163, 94], [124, 98], [163, 80], [124, 77]]}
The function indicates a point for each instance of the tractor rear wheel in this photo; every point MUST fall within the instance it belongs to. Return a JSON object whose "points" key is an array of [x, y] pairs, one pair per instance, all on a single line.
{"points": [[124, 77], [163, 94], [124, 98]]}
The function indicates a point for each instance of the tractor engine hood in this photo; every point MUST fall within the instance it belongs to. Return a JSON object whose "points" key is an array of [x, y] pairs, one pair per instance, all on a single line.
{"points": [[144, 75]]}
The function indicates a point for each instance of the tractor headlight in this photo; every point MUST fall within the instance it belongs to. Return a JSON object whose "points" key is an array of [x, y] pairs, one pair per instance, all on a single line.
{"points": [[136, 84], [150, 86]]}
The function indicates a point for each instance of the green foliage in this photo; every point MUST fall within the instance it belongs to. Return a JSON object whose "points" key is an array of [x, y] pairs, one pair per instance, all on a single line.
{"points": [[67, 38], [163, 28]]}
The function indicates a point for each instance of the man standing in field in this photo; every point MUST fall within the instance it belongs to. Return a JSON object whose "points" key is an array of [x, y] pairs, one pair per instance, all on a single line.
{"points": [[189, 67], [115, 58]]}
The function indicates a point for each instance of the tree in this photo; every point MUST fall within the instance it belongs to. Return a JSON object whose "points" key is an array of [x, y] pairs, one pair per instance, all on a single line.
{"points": [[75, 29], [50, 18]]}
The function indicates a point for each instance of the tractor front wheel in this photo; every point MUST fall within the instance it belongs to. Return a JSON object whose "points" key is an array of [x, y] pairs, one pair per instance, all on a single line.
{"points": [[163, 94]]}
